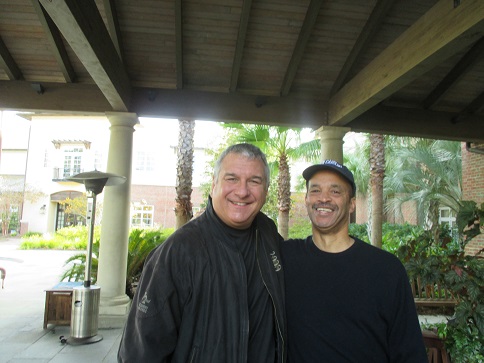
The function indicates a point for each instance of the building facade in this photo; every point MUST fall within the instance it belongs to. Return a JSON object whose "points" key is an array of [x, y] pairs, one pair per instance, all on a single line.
{"points": [[40, 153]]}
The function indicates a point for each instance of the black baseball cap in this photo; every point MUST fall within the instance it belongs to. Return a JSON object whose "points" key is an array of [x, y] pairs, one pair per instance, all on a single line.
{"points": [[330, 165]]}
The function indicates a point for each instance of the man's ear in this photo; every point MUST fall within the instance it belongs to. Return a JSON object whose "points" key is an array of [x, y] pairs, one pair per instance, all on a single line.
{"points": [[352, 204], [213, 185]]}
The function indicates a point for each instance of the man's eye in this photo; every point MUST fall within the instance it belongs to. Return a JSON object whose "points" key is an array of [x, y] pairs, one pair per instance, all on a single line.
{"points": [[256, 181]]}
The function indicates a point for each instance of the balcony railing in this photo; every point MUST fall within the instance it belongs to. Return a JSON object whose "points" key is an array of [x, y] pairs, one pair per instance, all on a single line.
{"points": [[61, 174]]}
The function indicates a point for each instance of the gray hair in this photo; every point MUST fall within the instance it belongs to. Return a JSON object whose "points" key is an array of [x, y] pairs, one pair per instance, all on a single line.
{"points": [[250, 152]]}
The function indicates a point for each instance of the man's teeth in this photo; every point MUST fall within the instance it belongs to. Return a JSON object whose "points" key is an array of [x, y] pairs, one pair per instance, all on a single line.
{"points": [[241, 204], [323, 209]]}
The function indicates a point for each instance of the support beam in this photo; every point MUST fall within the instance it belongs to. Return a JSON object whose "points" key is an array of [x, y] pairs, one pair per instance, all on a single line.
{"points": [[83, 28], [306, 31], [8, 63], [440, 33], [239, 46], [234, 107], [419, 123], [56, 43], [371, 26]]}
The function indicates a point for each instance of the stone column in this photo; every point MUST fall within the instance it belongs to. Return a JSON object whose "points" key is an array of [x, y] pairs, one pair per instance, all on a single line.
{"points": [[113, 252], [332, 142]]}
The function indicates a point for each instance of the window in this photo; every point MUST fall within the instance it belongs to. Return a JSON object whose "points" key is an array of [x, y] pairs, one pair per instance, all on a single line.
{"points": [[98, 160], [47, 161], [447, 217], [142, 215], [144, 161], [72, 161]]}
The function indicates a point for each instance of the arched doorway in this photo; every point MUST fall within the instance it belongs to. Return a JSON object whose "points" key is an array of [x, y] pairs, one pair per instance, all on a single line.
{"points": [[65, 217]]}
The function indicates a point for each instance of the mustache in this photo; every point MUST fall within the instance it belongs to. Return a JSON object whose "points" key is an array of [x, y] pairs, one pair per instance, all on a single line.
{"points": [[323, 205]]}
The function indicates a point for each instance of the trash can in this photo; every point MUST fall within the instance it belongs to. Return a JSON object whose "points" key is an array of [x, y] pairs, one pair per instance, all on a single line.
{"points": [[85, 311]]}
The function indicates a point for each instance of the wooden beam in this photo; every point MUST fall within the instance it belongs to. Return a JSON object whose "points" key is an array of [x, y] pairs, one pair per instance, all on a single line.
{"points": [[304, 35], [179, 44], [473, 55], [235, 107], [57, 97], [440, 33], [56, 43], [8, 63], [239, 47], [418, 123], [475, 106], [83, 28], [371, 26], [113, 25]]}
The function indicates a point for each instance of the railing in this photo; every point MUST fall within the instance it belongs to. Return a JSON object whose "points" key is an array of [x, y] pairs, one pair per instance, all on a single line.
{"points": [[431, 294], [59, 174]]}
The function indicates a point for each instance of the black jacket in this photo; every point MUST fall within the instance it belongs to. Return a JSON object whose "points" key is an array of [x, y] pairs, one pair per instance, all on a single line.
{"points": [[191, 303]]}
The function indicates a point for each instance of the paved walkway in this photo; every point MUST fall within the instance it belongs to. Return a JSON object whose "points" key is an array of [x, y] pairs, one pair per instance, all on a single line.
{"points": [[22, 301]]}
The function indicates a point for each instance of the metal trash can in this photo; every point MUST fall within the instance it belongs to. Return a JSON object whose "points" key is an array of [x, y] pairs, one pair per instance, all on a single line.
{"points": [[85, 311]]}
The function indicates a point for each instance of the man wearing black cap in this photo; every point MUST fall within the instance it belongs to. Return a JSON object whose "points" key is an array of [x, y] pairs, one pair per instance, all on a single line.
{"points": [[346, 301]]}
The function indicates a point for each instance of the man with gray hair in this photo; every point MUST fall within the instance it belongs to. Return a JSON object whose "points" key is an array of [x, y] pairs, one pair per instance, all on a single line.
{"points": [[213, 292]]}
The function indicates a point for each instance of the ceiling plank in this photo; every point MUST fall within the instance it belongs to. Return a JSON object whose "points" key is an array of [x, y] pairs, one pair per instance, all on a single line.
{"points": [[113, 26], [302, 41], [8, 63], [83, 28], [56, 43], [459, 69], [440, 33], [179, 44], [239, 47], [373, 23]]}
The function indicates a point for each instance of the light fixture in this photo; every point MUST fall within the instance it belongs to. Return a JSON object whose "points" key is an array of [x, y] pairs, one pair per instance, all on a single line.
{"points": [[37, 87]]}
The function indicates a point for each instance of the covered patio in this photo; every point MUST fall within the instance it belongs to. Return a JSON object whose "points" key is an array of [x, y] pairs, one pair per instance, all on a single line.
{"points": [[399, 67]]}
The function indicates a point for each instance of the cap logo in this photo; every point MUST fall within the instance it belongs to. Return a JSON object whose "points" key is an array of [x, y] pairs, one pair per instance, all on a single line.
{"points": [[332, 162]]}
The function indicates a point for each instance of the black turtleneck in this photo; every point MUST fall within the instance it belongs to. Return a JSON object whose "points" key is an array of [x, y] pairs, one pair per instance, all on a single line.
{"points": [[262, 347]]}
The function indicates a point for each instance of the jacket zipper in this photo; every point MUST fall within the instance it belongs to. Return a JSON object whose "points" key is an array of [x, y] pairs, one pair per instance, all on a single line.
{"points": [[269, 291]]}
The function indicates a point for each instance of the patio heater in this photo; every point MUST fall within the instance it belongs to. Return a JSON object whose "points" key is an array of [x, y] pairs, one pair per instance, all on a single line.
{"points": [[85, 299]]}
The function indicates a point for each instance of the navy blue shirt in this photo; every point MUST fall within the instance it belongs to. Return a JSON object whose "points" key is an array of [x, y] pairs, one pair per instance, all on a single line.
{"points": [[354, 306]]}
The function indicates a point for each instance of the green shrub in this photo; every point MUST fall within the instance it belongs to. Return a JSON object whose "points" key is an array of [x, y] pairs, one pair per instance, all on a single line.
{"points": [[300, 229], [140, 243], [32, 234], [69, 238], [445, 261]]}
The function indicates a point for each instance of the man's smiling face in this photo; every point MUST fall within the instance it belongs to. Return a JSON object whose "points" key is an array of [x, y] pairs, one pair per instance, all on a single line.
{"points": [[239, 191], [329, 202]]}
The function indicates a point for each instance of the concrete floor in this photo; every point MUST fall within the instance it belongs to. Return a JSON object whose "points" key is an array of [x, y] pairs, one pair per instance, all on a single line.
{"points": [[22, 302]]}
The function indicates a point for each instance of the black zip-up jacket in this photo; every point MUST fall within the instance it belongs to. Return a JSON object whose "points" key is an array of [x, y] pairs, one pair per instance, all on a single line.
{"points": [[191, 302]]}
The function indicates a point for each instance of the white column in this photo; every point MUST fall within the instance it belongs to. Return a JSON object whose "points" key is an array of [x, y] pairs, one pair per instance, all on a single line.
{"points": [[113, 252], [332, 142]]}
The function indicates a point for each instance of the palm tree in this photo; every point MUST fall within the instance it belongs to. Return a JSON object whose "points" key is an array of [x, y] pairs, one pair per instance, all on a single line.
{"points": [[377, 175], [278, 143], [184, 170], [430, 173]]}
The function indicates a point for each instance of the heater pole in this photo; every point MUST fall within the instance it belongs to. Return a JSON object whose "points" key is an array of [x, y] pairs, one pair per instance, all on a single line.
{"points": [[91, 212]]}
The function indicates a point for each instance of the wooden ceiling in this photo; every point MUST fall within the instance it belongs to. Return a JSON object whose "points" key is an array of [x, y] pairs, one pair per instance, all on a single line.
{"points": [[402, 67]]}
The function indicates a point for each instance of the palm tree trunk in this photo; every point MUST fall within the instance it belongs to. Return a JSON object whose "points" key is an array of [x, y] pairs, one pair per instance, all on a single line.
{"points": [[377, 174], [184, 171], [283, 196]]}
